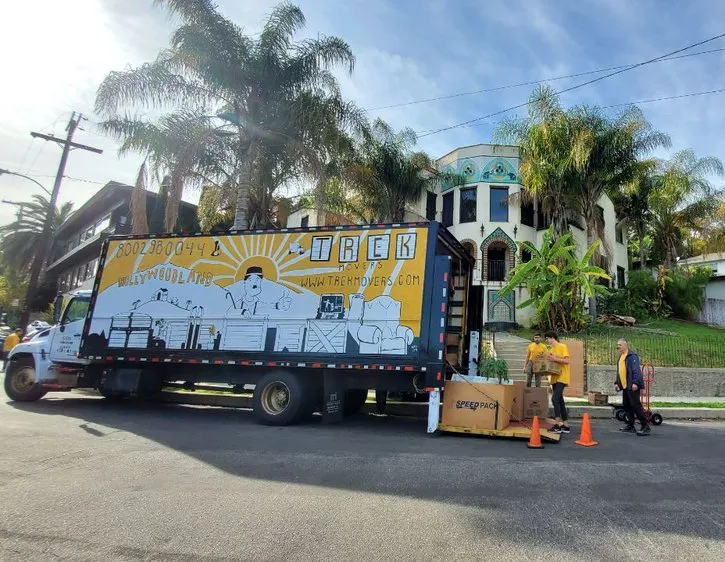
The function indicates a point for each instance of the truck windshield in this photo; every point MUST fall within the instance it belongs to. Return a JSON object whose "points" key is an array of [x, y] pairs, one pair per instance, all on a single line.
{"points": [[76, 310]]}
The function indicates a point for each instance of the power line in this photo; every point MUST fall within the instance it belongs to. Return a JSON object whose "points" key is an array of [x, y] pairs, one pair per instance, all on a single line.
{"points": [[30, 143], [69, 178], [534, 82], [689, 95], [653, 100], [575, 87]]}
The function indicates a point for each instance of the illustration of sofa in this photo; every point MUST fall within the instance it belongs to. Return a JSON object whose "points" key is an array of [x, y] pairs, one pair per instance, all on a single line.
{"points": [[375, 325]]}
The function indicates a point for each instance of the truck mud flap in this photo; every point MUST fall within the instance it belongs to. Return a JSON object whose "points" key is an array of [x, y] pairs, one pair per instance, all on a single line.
{"points": [[333, 402]]}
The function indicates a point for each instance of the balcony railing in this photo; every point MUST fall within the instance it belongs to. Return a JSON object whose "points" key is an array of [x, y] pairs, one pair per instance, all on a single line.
{"points": [[496, 270]]}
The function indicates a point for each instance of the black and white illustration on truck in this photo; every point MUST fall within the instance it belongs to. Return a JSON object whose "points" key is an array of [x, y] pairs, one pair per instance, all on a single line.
{"points": [[315, 310]]}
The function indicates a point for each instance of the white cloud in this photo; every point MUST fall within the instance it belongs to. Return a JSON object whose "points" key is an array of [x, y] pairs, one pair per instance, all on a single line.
{"points": [[54, 55]]}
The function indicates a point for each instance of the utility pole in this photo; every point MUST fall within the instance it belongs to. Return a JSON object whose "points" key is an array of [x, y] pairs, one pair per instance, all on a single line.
{"points": [[45, 238]]}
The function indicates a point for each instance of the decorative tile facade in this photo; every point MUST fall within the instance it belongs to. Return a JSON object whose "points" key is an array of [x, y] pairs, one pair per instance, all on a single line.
{"points": [[487, 169], [499, 236]]}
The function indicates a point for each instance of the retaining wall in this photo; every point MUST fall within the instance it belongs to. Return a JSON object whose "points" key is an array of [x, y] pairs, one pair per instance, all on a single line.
{"points": [[669, 381]]}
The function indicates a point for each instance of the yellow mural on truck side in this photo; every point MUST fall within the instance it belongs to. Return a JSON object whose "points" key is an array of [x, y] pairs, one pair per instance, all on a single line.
{"points": [[324, 292]]}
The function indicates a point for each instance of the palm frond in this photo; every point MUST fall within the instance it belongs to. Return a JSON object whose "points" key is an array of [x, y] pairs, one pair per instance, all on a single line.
{"points": [[150, 85], [284, 21]]}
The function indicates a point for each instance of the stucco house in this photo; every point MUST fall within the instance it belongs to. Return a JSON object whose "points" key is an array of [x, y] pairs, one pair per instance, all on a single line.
{"points": [[713, 311], [485, 215]]}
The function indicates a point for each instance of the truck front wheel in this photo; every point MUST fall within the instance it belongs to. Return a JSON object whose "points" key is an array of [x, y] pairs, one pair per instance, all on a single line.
{"points": [[20, 382], [280, 398]]}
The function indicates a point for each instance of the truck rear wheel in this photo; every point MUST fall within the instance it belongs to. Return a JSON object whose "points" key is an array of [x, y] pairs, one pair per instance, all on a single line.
{"points": [[280, 398], [20, 382], [354, 401]]}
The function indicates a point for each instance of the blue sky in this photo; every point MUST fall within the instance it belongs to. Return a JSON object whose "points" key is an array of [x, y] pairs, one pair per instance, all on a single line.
{"points": [[405, 50]]}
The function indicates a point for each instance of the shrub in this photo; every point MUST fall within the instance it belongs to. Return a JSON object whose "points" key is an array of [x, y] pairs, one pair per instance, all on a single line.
{"points": [[640, 298], [685, 292], [614, 303], [494, 369]]}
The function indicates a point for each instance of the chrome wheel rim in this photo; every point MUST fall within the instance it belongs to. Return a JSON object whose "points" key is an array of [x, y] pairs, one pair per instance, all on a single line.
{"points": [[23, 379], [275, 398]]}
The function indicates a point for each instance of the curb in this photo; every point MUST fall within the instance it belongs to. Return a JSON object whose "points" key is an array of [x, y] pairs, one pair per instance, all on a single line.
{"points": [[420, 409]]}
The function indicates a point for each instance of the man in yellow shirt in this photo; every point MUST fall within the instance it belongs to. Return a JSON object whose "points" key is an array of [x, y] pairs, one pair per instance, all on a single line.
{"points": [[559, 353], [10, 342], [535, 350]]}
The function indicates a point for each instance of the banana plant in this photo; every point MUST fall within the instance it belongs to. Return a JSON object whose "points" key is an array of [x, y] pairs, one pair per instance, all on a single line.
{"points": [[557, 281]]}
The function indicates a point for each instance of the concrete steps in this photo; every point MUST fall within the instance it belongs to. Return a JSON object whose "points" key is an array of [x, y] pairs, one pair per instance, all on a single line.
{"points": [[514, 353]]}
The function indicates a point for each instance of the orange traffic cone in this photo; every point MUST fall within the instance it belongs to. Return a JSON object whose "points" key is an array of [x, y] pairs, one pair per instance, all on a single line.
{"points": [[585, 439], [535, 439]]}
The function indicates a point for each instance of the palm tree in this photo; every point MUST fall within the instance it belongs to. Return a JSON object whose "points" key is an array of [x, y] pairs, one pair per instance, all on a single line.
{"points": [[20, 239], [605, 154], [631, 203], [683, 196], [545, 140], [711, 231], [183, 147], [389, 174], [277, 98]]}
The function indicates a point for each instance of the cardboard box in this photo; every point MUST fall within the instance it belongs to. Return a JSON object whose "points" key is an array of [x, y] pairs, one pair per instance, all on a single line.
{"points": [[598, 399], [576, 363], [536, 403], [547, 367], [477, 405], [539, 365], [517, 408]]}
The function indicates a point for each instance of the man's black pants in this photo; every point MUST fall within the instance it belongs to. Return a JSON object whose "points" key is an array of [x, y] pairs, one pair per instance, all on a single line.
{"points": [[633, 407]]}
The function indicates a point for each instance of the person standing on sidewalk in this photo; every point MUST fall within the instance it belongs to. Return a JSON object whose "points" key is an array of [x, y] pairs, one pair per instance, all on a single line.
{"points": [[535, 350], [559, 353], [630, 382], [10, 342]]}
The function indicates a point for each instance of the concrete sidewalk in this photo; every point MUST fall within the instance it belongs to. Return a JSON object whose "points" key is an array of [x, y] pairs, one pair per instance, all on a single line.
{"points": [[420, 409]]}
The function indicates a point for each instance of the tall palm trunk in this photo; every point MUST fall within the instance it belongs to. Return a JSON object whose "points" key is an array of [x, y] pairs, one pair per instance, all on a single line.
{"points": [[558, 219], [171, 214], [246, 183], [320, 200], [640, 235], [670, 254], [139, 219]]}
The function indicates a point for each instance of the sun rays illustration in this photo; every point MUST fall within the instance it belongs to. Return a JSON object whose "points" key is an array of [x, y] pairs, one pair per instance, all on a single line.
{"points": [[272, 253], [343, 262]]}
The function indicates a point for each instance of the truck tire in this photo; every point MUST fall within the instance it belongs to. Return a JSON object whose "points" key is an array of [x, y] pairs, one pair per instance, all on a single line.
{"points": [[19, 385], [280, 398], [354, 401], [113, 396]]}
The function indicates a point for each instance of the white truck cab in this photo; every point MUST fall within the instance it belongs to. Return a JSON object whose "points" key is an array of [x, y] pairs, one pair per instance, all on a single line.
{"points": [[50, 360]]}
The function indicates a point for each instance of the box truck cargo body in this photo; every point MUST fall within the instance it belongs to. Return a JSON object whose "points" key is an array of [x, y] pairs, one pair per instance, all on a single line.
{"points": [[314, 312]]}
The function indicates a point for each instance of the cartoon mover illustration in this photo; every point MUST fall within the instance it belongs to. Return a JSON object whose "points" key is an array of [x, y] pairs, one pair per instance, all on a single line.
{"points": [[256, 313]]}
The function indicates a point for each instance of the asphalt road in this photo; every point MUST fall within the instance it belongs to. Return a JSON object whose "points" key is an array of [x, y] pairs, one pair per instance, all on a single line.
{"points": [[84, 480]]}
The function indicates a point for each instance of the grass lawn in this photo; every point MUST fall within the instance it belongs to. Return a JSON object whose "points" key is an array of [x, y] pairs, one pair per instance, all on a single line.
{"points": [[663, 405], [664, 343]]}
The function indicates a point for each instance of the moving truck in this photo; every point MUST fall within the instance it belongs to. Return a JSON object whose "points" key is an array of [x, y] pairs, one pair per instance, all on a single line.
{"points": [[312, 317]]}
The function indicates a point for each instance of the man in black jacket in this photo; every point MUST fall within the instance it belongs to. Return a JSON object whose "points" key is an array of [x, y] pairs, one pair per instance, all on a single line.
{"points": [[629, 381]]}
